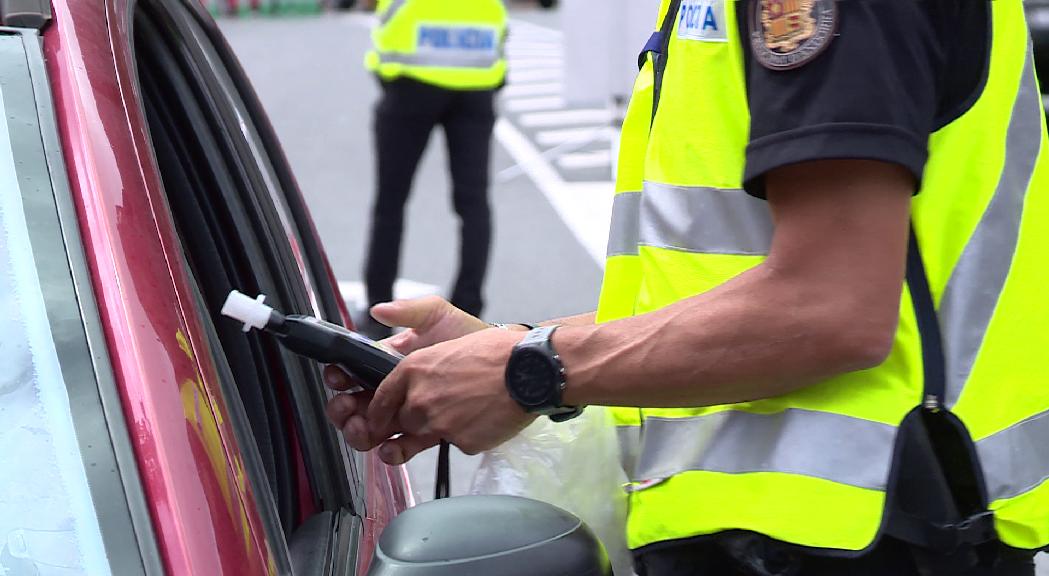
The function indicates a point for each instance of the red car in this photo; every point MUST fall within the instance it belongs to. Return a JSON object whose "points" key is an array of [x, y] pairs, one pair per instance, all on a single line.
{"points": [[140, 432]]}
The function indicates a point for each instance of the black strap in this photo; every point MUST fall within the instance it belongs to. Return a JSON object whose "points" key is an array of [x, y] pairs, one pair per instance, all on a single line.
{"points": [[654, 44], [978, 528], [659, 41], [933, 360], [443, 484], [659, 53]]}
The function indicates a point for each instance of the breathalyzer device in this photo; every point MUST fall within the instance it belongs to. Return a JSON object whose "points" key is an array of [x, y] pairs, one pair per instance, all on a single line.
{"points": [[322, 341]]}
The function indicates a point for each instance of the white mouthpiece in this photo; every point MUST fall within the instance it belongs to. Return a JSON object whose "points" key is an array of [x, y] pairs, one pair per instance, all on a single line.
{"points": [[253, 313]]}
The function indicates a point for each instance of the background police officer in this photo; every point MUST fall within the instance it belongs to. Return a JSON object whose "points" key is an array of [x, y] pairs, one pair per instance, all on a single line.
{"points": [[823, 318], [439, 63]]}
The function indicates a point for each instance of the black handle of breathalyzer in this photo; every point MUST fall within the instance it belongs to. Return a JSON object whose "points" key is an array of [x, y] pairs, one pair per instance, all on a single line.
{"points": [[328, 343], [367, 361]]}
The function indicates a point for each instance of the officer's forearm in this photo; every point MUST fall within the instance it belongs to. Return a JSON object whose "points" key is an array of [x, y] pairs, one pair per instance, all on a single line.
{"points": [[577, 320], [758, 336], [826, 301]]}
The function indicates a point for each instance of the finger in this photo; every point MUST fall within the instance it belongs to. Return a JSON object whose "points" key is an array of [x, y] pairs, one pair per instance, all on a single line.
{"points": [[400, 450], [387, 400], [416, 313], [340, 408], [405, 343], [344, 405], [358, 435], [337, 379]]}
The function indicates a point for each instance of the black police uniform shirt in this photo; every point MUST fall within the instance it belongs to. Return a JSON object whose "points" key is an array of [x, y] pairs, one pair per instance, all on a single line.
{"points": [[872, 79]]}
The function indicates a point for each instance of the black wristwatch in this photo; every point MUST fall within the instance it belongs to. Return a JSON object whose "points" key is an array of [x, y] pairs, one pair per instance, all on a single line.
{"points": [[535, 376]]}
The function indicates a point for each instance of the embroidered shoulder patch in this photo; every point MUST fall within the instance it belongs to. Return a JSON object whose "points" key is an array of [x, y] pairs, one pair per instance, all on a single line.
{"points": [[788, 34]]}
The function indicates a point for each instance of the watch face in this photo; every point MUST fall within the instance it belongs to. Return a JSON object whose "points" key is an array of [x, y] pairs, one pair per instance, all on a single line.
{"points": [[532, 378]]}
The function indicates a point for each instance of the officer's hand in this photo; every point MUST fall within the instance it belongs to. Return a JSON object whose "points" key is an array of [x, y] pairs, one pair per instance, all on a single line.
{"points": [[453, 391], [429, 321], [347, 411]]}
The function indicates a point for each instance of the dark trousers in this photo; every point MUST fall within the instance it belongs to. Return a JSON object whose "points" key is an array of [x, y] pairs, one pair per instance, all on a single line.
{"points": [[404, 119], [890, 557]]}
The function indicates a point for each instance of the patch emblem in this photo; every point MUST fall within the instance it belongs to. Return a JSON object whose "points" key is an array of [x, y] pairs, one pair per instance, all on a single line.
{"points": [[787, 34]]}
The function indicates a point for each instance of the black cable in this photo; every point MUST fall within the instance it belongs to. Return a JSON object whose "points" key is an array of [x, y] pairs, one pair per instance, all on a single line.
{"points": [[443, 484]]}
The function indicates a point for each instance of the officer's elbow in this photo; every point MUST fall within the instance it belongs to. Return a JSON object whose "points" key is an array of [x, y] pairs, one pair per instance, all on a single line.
{"points": [[857, 341]]}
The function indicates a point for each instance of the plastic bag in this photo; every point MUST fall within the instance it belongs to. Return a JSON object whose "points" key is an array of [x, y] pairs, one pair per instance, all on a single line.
{"points": [[573, 465]]}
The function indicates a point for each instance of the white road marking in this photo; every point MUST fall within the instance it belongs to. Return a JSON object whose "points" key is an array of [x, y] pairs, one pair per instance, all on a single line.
{"points": [[552, 52], [354, 294], [535, 55], [530, 63], [583, 160], [522, 90], [524, 27], [574, 135], [565, 118], [515, 44], [535, 75], [585, 207], [534, 104]]}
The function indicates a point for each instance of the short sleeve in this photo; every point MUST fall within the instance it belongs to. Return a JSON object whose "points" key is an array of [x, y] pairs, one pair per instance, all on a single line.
{"points": [[870, 92]]}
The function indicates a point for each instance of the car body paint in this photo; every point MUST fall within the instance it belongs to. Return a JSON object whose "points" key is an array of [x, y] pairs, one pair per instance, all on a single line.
{"points": [[202, 508]]}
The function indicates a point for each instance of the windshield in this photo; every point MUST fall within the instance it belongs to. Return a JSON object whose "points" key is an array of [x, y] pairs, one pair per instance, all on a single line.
{"points": [[48, 523]]}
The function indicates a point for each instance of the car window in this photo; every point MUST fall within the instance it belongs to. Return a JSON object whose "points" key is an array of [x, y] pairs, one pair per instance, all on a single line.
{"points": [[66, 496], [280, 206], [238, 232]]}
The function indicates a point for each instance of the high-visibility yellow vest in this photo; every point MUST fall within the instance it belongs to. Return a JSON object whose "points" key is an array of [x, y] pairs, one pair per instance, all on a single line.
{"points": [[456, 44], [812, 467]]}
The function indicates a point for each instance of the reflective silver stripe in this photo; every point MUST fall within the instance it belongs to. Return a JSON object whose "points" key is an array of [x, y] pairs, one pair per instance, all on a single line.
{"points": [[391, 11], [626, 215], [1016, 460], [443, 60], [972, 293], [629, 445], [704, 220], [833, 447]]}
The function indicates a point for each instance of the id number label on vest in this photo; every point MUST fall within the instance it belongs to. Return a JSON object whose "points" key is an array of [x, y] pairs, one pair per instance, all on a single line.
{"points": [[703, 20], [475, 40]]}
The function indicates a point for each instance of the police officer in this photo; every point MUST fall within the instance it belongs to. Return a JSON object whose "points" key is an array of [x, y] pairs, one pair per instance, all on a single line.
{"points": [[823, 314], [439, 63]]}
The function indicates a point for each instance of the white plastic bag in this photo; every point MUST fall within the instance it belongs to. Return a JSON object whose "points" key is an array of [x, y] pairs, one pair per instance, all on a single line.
{"points": [[573, 465]]}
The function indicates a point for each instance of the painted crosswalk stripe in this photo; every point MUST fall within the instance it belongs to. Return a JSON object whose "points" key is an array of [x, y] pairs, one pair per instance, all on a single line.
{"points": [[531, 63], [575, 135], [534, 75], [565, 118], [534, 104], [542, 89]]}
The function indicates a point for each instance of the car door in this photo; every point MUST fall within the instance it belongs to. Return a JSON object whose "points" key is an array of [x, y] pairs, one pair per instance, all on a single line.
{"points": [[240, 228]]}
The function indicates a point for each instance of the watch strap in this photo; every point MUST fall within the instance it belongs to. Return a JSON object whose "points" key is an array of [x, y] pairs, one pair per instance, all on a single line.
{"points": [[539, 336]]}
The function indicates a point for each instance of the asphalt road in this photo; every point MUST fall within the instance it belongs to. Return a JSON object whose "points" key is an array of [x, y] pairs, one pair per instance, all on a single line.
{"points": [[308, 73]]}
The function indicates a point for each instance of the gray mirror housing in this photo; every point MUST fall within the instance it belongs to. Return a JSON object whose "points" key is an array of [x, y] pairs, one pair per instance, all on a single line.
{"points": [[488, 536]]}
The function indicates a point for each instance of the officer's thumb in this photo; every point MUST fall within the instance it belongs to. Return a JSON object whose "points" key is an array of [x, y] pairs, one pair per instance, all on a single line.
{"points": [[419, 313]]}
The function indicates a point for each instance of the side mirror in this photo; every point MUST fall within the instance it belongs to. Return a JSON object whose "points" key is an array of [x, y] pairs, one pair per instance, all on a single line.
{"points": [[488, 536]]}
